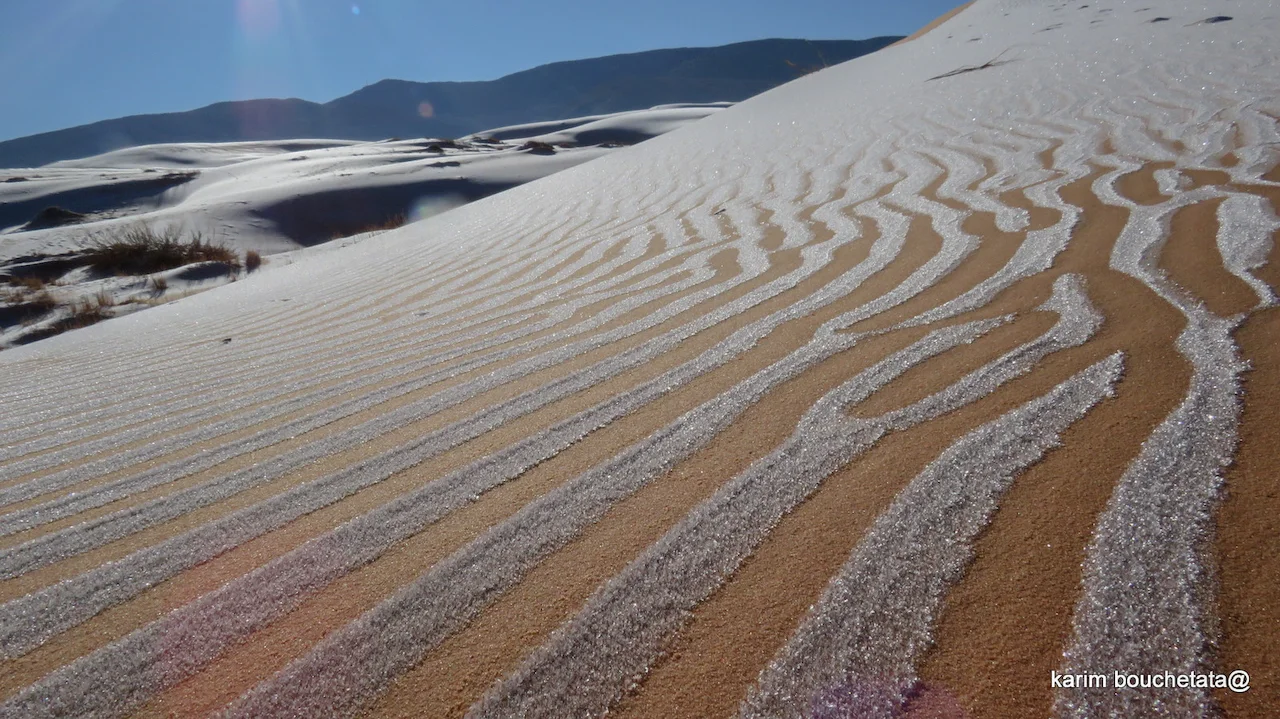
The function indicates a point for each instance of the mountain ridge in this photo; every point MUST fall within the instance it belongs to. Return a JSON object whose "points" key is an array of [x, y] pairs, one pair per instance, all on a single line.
{"points": [[393, 107]]}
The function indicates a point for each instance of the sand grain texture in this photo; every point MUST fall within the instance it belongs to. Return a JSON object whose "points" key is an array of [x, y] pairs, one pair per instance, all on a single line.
{"points": [[887, 393]]}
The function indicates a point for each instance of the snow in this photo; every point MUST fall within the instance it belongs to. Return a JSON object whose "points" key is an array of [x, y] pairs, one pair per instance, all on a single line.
{"points": [[604, 261], [281, 196]]}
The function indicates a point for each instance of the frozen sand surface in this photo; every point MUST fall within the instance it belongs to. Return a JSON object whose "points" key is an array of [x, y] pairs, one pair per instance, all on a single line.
{"points": [[282, 195], [894, 389], [275, 198]]}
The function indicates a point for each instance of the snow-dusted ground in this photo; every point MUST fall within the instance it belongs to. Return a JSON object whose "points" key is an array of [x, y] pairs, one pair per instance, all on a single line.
{"points": [[277, 198], [420, 441]]}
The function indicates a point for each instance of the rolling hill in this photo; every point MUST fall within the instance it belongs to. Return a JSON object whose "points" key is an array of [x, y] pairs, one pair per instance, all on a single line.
{"points": [[904, 389]]}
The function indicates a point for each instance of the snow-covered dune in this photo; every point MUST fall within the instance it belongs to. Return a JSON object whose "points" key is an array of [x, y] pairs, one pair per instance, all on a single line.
{"points": [[619, 128], [906, 389], [285, 198], [280, 196]]}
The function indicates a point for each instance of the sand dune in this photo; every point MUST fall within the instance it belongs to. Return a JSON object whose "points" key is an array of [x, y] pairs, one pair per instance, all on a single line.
{"points": [[286, 198], [283, 195], [888, 393]]}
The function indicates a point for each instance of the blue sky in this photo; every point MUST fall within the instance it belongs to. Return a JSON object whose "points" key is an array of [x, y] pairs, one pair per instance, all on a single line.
{"points": [[69, 62]]}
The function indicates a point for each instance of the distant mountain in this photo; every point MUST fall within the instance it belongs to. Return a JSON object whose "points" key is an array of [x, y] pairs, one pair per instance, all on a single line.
{"points": [[399, 108]]}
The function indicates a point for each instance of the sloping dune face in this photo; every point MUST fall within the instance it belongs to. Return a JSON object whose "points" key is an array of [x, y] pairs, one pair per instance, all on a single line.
{"points": [[907, 389]]}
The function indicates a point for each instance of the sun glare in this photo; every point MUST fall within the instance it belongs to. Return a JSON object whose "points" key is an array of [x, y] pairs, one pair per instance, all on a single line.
{"points": [[258, 17]]}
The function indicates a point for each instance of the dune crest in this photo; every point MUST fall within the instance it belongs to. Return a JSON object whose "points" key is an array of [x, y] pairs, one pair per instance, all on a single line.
{"points": [[896, 391]]}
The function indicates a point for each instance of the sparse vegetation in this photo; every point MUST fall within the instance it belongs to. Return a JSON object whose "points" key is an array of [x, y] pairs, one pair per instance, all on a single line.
{"points": [[441, 144], [537, 147], [177, 177], [130, 253], [390, 223], [40, 302], [25, 301], [21, 308], [83, 314], [140, 249], [252, 260], [29, 284]]}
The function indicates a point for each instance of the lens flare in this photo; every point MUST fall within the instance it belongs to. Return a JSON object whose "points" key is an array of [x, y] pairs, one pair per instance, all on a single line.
{"points": [[355, 9], [425, 109], [258, 18], [433, 205]]}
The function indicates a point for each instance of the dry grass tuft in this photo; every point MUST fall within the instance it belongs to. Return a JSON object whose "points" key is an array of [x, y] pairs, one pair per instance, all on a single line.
{"points": [[537, 147], [25, 302], [27, 309], [252, 260], [29, 284], [390, 223], [83, 314], [140, 249]]}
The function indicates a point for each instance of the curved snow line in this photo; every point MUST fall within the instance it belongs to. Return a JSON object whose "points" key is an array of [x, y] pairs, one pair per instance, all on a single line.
{"points": [[379, 285], [1246, 226], [340, 355], [288, 578], [345, 357], [362, 657], [48, 511], [1147, 578], [876, 616], [561, 314], [182, 550], [591, 661]]}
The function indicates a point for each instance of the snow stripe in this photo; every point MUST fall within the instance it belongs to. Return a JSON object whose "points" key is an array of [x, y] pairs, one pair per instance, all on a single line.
{"points": [[592, 660], [875, 618]]}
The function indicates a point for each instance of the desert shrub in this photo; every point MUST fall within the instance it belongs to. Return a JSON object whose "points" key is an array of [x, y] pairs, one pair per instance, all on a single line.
{"points": [[21, 308], [252, 260], [83, 314], [42, 301], [390, 223], [140, 249], [537, 147], [25, 301], [87, 312], [29, 284]]}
